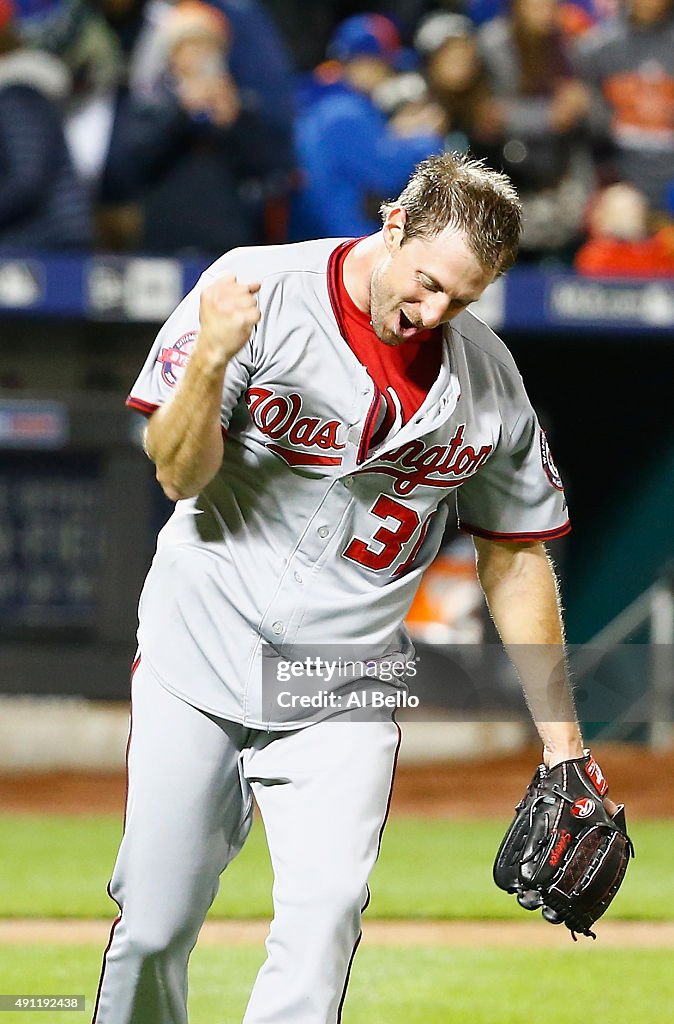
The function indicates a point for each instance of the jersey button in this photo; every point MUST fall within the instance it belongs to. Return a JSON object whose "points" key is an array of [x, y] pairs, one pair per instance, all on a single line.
{"points": [[297, 577], [323, 532], [348, 481], [277, 628]]}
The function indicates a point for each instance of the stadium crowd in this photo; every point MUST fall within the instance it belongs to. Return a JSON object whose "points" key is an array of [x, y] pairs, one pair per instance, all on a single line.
{"points": [[193, 126]]}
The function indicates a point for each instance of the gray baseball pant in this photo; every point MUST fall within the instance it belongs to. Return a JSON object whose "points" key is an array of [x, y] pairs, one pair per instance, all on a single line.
{"points": [[323, 793]]}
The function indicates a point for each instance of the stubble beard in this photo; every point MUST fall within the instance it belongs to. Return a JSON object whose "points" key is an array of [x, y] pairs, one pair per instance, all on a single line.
{"points": [[377, 316]]}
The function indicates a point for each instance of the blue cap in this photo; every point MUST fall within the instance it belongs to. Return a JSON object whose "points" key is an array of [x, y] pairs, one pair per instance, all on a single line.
{"points": [[365, 35]]}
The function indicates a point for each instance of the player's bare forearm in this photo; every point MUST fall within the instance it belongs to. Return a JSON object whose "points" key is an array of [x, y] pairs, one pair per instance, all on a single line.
{"points": [[184, 437], [521, 590]]}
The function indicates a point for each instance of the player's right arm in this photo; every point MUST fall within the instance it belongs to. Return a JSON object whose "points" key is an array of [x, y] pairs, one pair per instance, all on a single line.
{"points": [[184, 436]]}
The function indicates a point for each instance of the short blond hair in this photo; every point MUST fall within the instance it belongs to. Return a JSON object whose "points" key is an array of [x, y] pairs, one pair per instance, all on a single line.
{"points": [[454, 190]]}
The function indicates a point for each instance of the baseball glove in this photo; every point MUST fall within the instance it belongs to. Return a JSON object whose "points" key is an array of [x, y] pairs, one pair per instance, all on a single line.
{"points": [[563, 852]]}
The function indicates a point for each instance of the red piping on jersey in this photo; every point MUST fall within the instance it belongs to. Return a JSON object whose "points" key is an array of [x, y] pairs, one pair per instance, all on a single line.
{"points": [[368, 428], [137, 403], [522, 538], [294, 458], [332, 290], [134, 666], [337, 313]]}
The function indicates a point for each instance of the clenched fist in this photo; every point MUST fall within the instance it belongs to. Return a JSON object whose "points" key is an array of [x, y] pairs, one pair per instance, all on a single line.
{"points": [[228, 311]]}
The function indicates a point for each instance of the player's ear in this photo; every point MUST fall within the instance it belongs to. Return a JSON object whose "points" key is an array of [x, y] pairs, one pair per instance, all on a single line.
{"points": [[394, 227]]}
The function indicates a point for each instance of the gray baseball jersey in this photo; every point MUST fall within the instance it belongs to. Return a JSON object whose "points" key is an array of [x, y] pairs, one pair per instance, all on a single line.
{"points": [[308, 535]]}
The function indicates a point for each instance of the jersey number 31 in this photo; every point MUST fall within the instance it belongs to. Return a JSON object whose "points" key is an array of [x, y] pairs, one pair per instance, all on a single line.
{"points": [[388, 542]]}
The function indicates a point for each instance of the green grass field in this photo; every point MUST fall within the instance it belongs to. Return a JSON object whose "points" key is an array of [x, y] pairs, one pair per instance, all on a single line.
{"points": [[58, 867], [395, 985]]}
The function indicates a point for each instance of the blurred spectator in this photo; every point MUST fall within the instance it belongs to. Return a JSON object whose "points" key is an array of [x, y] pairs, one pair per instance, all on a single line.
{"points": [[621, 243], [42, 203], [261, 66], [458, 79], [539, 114], [630, 63], [260, 69], [350, 158], [76, 33], [187, 151], [407, 102], [258, 60]]}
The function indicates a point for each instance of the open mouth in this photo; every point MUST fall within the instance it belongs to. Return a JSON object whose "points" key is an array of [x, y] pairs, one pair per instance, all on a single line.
{"points": [[405, 328]]}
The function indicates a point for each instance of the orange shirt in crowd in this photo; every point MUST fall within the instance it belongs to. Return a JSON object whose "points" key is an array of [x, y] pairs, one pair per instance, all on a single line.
{"points": [[613, 257]]}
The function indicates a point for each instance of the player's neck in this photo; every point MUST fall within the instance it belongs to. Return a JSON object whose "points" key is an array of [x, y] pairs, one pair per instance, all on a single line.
{"points": [[358, 266]]}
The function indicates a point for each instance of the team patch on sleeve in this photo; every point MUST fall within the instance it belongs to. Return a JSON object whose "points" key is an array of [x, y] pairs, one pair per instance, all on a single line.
{"points": [[174, 359], [549, 466]]}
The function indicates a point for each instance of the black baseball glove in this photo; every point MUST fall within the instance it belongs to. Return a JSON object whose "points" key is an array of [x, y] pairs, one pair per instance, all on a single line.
{"points": [[563, 851]]}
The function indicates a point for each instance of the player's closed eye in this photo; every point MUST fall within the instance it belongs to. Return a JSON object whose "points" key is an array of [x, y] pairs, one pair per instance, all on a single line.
{"points": [[429, 285]]}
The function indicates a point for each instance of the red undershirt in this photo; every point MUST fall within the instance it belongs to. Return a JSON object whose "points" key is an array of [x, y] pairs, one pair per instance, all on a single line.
{"points": [[410, 368]]}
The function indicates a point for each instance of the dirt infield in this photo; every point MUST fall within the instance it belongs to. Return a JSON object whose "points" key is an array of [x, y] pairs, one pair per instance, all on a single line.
{"points": [[644, 780], [638, 777], [622, 934]]}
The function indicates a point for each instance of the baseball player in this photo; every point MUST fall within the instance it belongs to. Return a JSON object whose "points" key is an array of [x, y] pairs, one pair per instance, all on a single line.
{"points": [[314, 409]]}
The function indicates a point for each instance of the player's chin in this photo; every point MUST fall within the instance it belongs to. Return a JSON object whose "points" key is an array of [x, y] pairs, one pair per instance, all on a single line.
{"points": [[386, 334]]}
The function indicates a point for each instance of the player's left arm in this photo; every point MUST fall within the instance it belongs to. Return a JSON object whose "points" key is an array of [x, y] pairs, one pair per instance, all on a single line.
{"points": [[521, 589]]}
